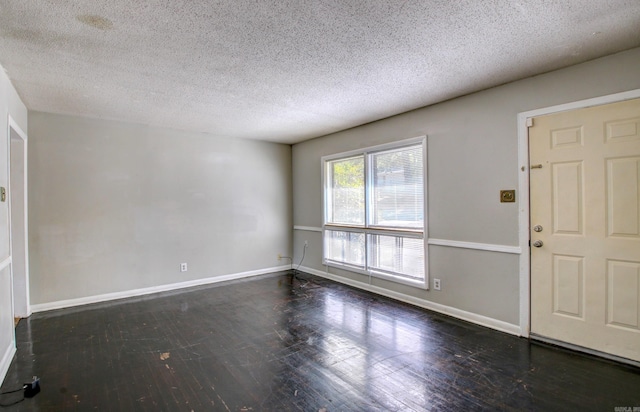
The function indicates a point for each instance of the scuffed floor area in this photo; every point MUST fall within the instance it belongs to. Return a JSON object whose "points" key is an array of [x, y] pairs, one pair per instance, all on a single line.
{"points": [[280, 343]]}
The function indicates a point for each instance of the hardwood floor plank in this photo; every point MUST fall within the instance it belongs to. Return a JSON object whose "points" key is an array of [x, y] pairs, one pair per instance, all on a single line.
{"points": [[308, 344]]}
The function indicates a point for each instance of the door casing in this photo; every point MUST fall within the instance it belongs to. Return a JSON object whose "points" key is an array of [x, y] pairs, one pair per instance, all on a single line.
{"points": [[21, 305]]}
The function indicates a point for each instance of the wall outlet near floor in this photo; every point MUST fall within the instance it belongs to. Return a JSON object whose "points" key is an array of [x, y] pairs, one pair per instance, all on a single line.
{"points": [[306, 243], [436, 284], [183, 267]]}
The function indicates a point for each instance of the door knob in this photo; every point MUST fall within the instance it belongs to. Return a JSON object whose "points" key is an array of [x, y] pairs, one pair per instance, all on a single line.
{"points": [[538, 243]]}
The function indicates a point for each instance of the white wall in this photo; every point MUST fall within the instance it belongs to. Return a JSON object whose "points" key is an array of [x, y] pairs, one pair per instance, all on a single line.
{"points": [[10, 105], [472, 155], [115, 207], [19, 253]]}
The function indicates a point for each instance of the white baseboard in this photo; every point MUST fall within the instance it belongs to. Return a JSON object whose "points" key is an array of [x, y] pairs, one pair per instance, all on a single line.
{"points": [[436, 307], [6, 361], [61, 304]]}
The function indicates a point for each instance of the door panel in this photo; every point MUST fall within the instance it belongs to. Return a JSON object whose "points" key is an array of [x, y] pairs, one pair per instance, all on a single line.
{"points": [[623, 294], [568, 285], [623, 186], [585, 198], [567, 198]]}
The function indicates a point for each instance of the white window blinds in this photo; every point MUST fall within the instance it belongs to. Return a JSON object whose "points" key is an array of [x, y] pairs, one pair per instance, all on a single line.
{"points": [[374, 207]]}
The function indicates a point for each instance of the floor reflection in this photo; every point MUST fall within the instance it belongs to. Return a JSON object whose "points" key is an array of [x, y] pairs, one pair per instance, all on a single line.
{"points": [[285, 343], [379, 354]]}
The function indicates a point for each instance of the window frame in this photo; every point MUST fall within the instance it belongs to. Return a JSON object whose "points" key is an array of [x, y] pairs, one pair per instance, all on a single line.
{"points": [[370, 229]]}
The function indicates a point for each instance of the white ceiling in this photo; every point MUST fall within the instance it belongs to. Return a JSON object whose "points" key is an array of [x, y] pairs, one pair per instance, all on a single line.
{"points": [[287, 70]]}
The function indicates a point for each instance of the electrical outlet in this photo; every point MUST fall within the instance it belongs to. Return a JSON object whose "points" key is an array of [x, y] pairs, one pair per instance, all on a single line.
{"points": [[306, 243], [436, 284], [279, 256], [183, 267]]}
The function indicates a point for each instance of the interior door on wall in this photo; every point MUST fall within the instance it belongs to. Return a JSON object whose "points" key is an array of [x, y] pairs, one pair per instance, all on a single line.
{"points": [[585, 228]]}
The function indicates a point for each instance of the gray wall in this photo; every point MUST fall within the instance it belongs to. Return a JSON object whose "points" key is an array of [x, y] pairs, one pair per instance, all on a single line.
{"points": [[472, 155], [10, 104], [115, 206]]}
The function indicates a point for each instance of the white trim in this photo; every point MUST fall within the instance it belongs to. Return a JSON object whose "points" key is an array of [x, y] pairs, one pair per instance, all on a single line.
{"points": [[5, 263], [523, 188], [308, 228], [476, 246], [378, 148], [436, 307], [42, 307], [523, 225], [582, 104], [374, 230], [16, 128], [425, 211], [5, 363]]}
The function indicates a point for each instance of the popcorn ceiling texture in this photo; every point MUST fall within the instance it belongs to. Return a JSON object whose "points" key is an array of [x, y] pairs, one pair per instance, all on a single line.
{"points": [[287, 71]]}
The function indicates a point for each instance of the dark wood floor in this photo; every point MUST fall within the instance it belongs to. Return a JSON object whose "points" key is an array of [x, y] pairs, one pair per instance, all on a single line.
{"points": [[308, 344]]}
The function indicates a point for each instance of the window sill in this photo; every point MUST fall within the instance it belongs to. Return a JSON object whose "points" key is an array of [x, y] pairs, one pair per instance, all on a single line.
{"points": [[420, 284]]}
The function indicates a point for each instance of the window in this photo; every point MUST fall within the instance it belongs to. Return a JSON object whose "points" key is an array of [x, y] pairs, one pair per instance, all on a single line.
{"points": [[374, 211]]}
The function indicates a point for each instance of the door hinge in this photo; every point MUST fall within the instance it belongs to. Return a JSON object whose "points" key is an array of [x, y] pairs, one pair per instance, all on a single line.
{"points": [[529, 121]]}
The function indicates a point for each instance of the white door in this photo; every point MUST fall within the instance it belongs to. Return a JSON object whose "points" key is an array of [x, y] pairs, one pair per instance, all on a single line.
{"points": [[585, 227]]}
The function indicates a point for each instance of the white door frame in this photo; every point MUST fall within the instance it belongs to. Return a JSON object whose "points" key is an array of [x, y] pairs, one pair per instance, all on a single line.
{"points": [[523, 188], [22, 300]]}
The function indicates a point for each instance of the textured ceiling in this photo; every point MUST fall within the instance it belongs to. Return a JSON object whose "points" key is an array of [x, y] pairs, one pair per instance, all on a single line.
{"points": [[287, 71]]}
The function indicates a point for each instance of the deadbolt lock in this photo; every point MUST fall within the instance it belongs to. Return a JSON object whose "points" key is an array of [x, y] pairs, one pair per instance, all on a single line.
{"points": [[537, 228]]}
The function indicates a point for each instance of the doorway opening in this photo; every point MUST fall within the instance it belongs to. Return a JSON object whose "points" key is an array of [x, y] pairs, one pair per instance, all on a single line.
{"points": [[19, 246]]}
